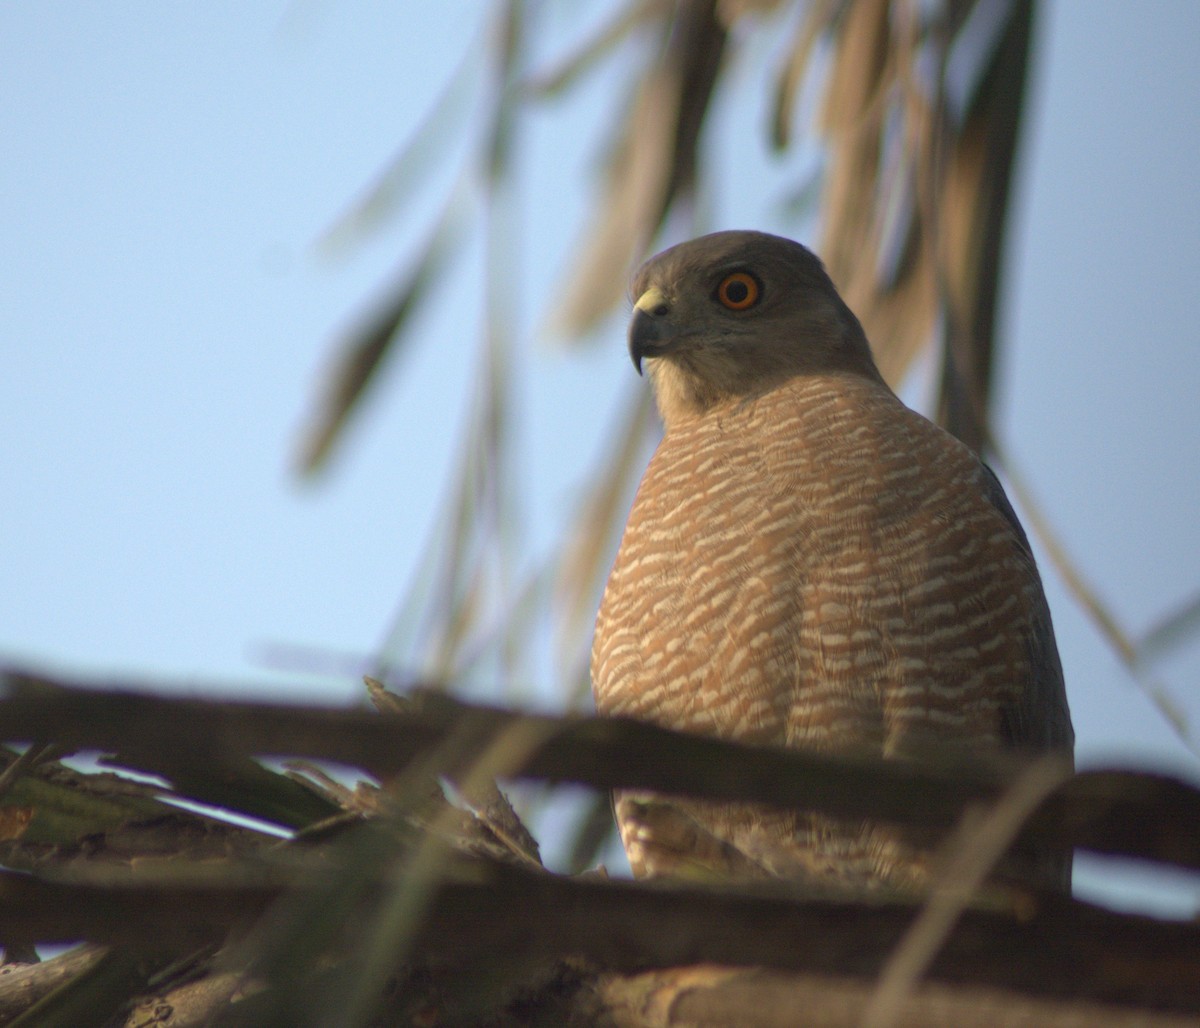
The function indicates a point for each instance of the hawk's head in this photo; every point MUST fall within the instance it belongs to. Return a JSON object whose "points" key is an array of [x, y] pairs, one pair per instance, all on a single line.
{"points": [[733, 314]]}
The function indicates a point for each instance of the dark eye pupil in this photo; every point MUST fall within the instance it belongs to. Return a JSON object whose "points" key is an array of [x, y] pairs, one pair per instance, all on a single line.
{"points": [[736, 292]]}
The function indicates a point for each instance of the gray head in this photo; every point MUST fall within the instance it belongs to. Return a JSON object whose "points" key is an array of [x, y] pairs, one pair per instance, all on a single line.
{"points": [[734, 314]]}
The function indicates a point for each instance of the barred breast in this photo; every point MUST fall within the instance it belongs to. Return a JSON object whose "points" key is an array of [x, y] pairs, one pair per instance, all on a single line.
{"points": [[820, 566]]}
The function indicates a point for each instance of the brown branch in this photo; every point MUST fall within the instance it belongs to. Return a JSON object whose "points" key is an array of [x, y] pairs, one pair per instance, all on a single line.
{"points": [[198, 1003], [1112, 812], [1065, 950], [148, 916], [711, 994], [22, 985]]}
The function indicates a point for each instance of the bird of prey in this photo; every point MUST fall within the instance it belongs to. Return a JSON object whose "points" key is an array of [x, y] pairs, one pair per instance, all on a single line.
{"points": [[808, 563]]}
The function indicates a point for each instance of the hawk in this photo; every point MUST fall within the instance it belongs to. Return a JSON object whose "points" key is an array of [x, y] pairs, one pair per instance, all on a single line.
{"points": [[808, 563]]}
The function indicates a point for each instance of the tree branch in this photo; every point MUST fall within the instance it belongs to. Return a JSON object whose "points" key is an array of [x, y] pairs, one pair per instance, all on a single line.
{"points": [[1112, 812], [1065, 950]]}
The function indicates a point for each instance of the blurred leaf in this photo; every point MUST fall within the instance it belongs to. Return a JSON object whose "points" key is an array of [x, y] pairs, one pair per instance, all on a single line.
{"points": [[653, 163], [569, 70], [920, 119], [817, 16], [365, 347], [975, 200], [1171, 632], [465, 576], [429, 142], [1101, 615], [864, 89], [965, 860]]}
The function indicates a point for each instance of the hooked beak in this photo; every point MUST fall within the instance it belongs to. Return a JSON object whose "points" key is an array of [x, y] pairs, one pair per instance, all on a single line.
{"points": [[649, 332]]}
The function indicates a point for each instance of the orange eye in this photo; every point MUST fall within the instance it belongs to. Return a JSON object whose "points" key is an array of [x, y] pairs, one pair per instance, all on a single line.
{"points": [[738, 291]]}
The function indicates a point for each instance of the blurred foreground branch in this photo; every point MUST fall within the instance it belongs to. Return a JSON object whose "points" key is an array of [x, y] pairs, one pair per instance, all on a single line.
{"points": [[1115, 812], [390, 904], [1066, 951]]}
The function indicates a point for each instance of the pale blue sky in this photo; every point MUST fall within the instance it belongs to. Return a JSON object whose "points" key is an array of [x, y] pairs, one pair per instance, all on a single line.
{"points": [[164, 317]]}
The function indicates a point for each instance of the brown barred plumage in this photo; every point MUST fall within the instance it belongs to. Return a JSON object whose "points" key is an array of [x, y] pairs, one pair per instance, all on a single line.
{"points": [[807, 563]]}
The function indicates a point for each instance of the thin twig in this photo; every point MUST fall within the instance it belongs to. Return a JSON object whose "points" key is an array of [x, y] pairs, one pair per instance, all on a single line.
{"points": [[972, 851]]}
